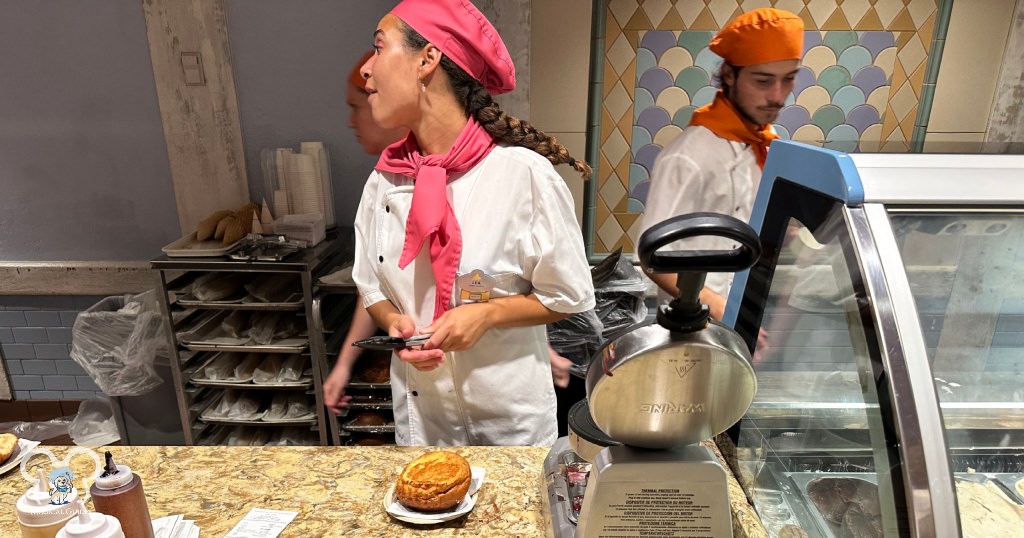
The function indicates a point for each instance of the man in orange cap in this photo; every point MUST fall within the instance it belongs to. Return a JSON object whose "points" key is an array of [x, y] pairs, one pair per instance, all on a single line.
{"points": [[715, 164]]}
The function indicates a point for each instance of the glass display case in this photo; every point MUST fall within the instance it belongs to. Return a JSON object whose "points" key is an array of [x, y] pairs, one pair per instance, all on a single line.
{"points": [[886, 319]]}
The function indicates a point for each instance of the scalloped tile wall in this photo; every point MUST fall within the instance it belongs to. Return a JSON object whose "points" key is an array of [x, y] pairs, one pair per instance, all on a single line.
{"points": [[858, 88]]}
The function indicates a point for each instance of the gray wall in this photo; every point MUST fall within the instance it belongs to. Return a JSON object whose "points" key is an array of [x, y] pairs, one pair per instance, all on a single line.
{"points": [[83, 164], [291, 61]]}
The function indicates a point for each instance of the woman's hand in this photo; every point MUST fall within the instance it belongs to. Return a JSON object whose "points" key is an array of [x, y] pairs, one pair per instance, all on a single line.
{"points": [[334, 388], [459, 328], [421, 358], [559, 368]]}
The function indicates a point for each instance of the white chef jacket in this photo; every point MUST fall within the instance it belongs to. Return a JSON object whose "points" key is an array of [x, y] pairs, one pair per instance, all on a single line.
{"points": [[518, 226], [698, 172]]}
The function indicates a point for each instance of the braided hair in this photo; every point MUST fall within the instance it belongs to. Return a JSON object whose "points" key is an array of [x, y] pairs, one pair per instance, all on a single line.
{"points": [[477, 102]]}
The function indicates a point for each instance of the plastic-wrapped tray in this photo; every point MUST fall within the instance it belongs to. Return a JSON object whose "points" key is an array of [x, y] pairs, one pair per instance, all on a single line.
{"points": [[189, 247], [200, 379], [208, 336], [208, 415]]}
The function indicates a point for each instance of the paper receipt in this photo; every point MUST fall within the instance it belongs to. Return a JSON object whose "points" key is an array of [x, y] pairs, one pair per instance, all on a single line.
{"points": [[262, 523]]}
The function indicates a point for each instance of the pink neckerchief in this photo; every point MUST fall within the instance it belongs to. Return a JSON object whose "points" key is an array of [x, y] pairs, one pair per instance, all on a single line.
{"points": [[431, 215]]}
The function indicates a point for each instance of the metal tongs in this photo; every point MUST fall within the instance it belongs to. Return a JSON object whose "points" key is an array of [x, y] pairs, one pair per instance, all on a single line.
{"points": [[392, 342]]}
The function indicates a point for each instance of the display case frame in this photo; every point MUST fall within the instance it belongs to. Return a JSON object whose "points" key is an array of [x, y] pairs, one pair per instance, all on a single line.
{"points": [[803, 183]]}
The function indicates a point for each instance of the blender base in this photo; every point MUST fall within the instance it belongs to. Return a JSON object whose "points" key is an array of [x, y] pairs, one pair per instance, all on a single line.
{"points": [[677, 493]]}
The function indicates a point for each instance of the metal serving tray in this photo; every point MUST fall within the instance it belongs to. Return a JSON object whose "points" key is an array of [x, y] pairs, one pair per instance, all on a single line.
{"points": [[189, 247], [802, 479], [244, 302]]}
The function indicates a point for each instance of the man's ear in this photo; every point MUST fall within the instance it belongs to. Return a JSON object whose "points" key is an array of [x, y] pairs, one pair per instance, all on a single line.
{"points": [[728, 75]]}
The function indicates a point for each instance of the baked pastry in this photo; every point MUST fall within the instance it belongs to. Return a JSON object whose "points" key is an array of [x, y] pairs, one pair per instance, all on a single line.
{"points": [[369, 419], [8, 444], [376, 367], [208, 225], [433, 482]]}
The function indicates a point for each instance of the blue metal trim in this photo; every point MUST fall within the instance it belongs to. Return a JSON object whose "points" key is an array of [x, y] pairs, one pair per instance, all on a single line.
{"points": [[829, 172]]}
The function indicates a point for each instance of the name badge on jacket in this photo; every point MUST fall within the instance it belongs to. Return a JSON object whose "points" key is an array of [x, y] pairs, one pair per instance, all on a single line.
{"points": [[475, 287]]}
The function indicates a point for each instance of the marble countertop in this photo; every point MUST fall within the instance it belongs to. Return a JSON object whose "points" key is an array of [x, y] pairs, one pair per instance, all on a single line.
{"points": [[337, 491]]}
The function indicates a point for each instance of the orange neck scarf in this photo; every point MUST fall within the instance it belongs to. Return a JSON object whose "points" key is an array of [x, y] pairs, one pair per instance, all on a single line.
{"points": [[721, 118]]}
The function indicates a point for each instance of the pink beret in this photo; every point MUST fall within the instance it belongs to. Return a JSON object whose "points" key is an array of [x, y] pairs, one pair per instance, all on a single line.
{"points": [[462, 33]]}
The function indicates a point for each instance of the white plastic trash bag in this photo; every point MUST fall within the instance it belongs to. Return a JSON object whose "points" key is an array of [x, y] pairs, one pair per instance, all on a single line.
{"points": [[116, 342]]}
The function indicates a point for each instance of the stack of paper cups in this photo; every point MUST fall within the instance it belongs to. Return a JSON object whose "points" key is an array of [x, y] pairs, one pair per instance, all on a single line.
{"points": [[304, 185], [323, 167], [281, 202]]}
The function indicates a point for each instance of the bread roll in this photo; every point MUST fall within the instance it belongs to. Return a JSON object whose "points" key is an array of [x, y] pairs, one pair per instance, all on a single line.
{"points": [[376, 367], [433, 482], [369, 419], [8, 444], [208, 225]]}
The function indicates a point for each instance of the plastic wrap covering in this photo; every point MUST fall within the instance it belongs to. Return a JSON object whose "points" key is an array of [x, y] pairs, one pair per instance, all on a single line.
{"points": [[116, 341], [619, 291], [94, 424]]}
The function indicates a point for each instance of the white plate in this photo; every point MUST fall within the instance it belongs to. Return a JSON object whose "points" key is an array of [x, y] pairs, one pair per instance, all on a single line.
{"points": [[409, 515], [24, 447]]}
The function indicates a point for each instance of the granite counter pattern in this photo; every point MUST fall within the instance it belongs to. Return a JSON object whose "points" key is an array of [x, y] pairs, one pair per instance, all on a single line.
{"points": [[337, 491]]}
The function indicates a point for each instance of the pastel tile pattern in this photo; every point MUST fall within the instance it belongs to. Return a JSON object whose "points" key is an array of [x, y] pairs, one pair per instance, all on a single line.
{"points": [[858, 89]]}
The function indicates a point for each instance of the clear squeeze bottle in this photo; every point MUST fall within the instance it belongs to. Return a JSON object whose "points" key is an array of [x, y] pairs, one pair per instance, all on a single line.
{"points": [[38, 517], [117, 491], [91, 525]]}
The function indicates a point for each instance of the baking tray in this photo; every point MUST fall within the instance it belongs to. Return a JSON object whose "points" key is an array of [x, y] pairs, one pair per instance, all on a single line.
{"points": [[365, 385], [387, 427], [207, 336], [244, 301], [385, 405], [189, 247]]}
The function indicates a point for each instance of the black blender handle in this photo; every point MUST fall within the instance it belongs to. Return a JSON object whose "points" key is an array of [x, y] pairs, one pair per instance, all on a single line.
{"points": [[686, 313], [697, 225]]}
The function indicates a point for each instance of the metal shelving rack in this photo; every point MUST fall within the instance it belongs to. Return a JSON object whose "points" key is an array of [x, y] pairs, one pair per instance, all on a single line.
{"points": [[334, 336], [195, 395]]}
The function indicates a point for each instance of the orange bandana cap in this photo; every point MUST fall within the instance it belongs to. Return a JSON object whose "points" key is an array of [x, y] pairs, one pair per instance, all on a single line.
{"points": [[355, 78], [760, 36]]}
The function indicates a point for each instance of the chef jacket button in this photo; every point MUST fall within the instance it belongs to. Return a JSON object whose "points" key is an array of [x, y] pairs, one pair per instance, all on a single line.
{"points": [[414, 393], [380, 259], [387, 209]]}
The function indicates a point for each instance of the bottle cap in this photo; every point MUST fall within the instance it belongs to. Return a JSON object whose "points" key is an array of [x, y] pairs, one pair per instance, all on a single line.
{"points": [[113, 475], [34, 506], [91, 525]]}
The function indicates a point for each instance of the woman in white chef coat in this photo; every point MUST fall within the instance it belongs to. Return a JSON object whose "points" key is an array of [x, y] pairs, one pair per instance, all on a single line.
{"points": [[464, 231]]}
